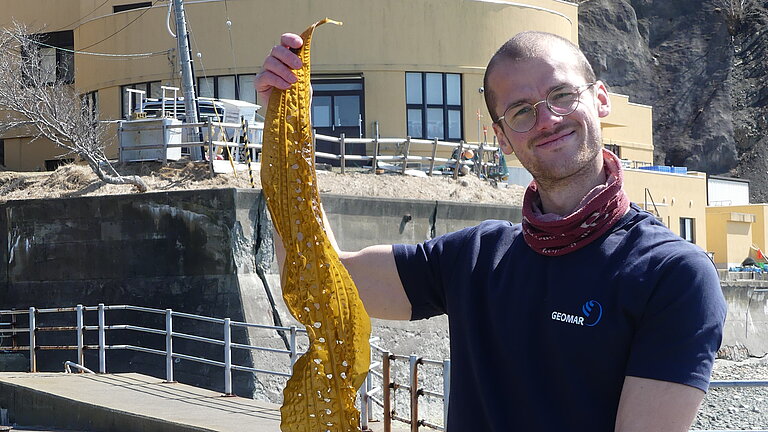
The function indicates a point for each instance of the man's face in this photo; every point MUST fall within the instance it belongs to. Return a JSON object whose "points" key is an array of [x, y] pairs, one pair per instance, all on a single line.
{"points": [[558, 146]]}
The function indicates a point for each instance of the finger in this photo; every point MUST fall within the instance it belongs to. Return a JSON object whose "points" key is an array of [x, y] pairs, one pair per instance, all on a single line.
{"points": [[286, 56], [266, 80], [278, 68], [291, 40]]}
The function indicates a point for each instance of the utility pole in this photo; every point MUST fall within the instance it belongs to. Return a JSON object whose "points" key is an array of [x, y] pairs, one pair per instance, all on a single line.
{"points": [[187, 86]]}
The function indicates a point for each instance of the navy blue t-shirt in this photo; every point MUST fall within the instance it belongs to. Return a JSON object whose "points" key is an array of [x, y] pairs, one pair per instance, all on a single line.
{"points": [[544, 343]]}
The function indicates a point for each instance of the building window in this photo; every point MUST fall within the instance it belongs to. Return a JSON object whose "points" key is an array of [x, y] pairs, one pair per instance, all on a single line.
{"points": [[91, 104], [613, 148], [2, 152], [433, 105], [238, 87], [130, 6], [688, 229], [152, 90], [55, 63]]}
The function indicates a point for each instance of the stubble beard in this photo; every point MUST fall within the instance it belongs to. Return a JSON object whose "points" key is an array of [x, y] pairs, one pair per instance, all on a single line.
{"points": [[568, 172]]}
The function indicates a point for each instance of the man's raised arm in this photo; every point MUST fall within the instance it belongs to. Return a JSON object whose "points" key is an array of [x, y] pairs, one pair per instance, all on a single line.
{"points": [[372, 269]]}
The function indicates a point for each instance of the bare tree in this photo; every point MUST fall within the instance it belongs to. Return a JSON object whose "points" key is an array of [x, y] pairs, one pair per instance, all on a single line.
{"points": [[37, 99]]}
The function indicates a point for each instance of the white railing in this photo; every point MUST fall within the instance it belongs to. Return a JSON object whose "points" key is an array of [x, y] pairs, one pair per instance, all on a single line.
{"points": [[381, 369], [242, 138], [382, 394]]}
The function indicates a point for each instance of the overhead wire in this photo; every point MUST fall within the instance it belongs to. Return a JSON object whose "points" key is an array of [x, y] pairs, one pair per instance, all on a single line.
{"points": [[125, 26], [132, 55], [78, 21]]}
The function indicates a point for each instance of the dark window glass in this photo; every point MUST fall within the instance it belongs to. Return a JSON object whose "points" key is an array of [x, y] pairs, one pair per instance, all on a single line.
{"points": [[415, 123], [130, 6], [54, 57], [433, 105], [321, 111], [2, 152], [688, 229], [149, 87], [413, 92]]}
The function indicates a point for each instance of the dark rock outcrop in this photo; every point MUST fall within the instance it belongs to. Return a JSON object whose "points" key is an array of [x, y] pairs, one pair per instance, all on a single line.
{"points": [[701, 65]]}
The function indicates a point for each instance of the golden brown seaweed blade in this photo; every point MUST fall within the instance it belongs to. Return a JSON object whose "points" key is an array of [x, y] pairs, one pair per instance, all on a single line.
{"points": [[320, 395]]}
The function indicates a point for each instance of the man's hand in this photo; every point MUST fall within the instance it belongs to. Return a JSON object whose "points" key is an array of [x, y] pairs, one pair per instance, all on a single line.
{"points": [[278, 67]]}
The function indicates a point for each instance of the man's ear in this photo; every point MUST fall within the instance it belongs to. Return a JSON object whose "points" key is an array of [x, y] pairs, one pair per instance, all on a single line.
{"points": [[602, 99], [504, 145]]}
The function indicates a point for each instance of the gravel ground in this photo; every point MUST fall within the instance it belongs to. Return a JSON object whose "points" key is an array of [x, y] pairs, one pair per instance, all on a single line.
{"points": [[744, 408]]}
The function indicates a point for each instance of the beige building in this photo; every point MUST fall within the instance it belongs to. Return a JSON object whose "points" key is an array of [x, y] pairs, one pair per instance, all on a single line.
{"points": [[409, 67]]}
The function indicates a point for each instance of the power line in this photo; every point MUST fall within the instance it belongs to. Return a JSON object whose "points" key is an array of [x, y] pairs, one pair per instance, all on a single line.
{"points": [[83, 17], [125, 26], [149, 54]]}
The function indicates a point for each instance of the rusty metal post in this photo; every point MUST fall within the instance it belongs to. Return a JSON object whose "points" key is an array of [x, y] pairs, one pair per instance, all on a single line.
{"points": [[446, 390], [413, 362], [386, 388]]}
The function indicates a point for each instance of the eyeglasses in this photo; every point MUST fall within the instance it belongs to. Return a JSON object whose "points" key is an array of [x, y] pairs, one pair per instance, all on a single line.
{"points": [[561, 101]]}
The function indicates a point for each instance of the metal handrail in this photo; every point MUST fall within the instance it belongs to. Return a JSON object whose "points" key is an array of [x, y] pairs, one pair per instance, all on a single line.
{"points": [[380, 366]]}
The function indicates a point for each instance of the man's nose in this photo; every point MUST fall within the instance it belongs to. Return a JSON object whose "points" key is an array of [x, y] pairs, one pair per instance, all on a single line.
{"points": [[545, 117]]}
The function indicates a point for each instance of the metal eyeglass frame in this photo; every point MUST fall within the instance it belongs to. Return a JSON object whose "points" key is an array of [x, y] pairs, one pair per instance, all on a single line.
{"points": [[579, 90]]}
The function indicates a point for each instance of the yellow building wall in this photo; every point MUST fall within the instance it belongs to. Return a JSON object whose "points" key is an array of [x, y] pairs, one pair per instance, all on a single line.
{"points": [[736, 246], [24, 155], [630, 126], [730, 235], [676, 196], [380, 40]]}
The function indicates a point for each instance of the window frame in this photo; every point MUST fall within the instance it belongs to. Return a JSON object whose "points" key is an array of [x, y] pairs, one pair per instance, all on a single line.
{"points": [[147, 87], [446, 108], [238, 88], [684, 229]]}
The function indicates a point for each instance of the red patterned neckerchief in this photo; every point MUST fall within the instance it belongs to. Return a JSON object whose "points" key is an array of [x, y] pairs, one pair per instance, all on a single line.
{"points": [[554, 235]]}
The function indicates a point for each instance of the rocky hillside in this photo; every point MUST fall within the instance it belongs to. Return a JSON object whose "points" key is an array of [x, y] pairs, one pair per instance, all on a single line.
{"points": [[701, 64]]}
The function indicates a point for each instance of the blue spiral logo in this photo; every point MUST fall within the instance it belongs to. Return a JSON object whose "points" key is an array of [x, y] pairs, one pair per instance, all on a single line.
{"points": [[593, 311]]}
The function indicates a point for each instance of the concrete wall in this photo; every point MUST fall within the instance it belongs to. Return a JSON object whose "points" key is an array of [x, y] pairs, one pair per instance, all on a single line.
{"points": [[746, 327], [206, 252]]}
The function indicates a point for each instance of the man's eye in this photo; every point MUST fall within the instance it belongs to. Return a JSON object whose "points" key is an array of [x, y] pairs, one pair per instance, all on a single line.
{"points": [[562, 94], [522, 111]]}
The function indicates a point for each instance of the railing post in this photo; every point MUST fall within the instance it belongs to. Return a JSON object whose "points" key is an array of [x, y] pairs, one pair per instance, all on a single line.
{"points": [[227, 357], [375, 162], [210, 146], [446, 390], [80, 355], [413, 370], [343, 149], [165, 139], [386, 388], [405, 154], [169, 345], [458, 160], [293, 346], [32, 329], [364, 411], [102, 341], [434, 153]]}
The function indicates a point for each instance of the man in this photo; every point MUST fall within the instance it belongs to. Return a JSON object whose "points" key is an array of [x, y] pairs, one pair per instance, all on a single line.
{"points": [[588, 316]]}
